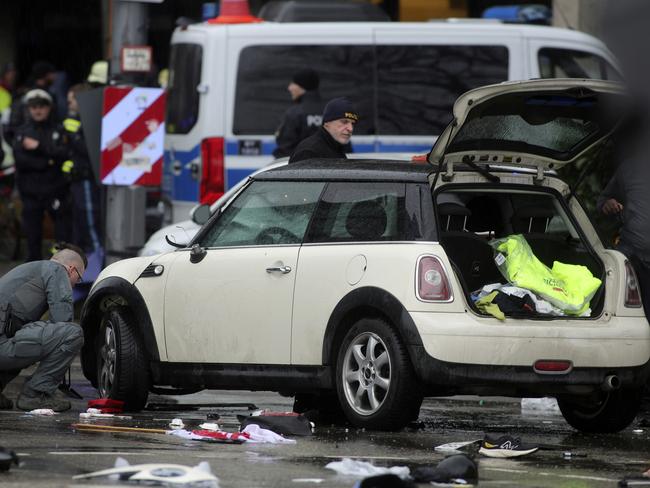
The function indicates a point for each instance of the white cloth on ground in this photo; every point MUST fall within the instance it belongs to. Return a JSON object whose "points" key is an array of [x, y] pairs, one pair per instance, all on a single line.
{"points": [[352, 467]]}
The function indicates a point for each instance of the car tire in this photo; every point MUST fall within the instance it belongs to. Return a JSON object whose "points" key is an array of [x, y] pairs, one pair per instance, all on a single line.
{"points": [[375, 381], [122, 368], [612, 413]]}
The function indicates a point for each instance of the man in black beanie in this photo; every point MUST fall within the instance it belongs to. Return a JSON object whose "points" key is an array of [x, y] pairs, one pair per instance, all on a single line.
{"points": [[303, 118], [332, 139]]}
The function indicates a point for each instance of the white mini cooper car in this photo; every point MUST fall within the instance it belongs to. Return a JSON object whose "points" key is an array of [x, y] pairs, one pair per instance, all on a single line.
{"points": [[355, 278]]}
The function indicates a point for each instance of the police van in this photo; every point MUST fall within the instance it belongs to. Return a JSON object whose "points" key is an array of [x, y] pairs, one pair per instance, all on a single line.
{"points": [[227, 86]]}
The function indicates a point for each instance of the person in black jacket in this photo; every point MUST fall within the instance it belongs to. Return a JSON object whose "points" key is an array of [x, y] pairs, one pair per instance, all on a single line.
{"points": [[83, 186], [303, 118], [333, 138], [39, 151]]}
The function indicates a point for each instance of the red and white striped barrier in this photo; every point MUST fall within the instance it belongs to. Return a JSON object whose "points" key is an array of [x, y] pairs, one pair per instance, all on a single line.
{"points": [[133, 129]]}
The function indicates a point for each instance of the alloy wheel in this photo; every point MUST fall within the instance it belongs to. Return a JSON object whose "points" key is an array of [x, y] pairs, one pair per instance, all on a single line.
{"points": [[366, 373], [108, 352]]}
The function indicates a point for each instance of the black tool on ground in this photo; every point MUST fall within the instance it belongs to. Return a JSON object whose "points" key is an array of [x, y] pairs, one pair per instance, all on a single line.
{"points": [[384, 481], [455, 467], [66, 387], [6, 458], [212, 416], [280, 424], [172, 407]]}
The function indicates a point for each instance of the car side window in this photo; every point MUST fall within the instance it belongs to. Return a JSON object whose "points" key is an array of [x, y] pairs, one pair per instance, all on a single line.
{"points": [[570, 63], [360, 212], [265, 213]]}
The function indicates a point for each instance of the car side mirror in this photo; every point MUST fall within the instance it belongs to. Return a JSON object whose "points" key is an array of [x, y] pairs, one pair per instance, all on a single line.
{"points": [[201, 214]]}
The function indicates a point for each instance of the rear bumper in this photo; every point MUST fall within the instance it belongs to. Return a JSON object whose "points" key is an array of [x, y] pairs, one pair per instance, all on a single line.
{"points": [[463, 353], [445, 378]]}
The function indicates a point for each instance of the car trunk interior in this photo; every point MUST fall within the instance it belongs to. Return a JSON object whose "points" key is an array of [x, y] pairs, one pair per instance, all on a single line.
{"points": [[469, 218]]}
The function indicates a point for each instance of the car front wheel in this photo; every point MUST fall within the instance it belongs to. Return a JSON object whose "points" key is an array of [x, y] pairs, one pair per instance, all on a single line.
{"points": [[122, 372], [610, 412], [376, 384]]}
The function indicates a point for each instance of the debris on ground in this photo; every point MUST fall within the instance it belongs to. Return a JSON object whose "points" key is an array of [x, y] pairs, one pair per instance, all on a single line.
{"points": [[384, 481], [457, 447], [6, 458], [540, 406], [285, 424], [353, 467], [46, 412], [107, 405], [159, 474], [455, 469]]}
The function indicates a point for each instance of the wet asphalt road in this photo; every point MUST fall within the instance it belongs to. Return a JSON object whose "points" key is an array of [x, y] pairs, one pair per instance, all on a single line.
{"points": [[51, 452]]}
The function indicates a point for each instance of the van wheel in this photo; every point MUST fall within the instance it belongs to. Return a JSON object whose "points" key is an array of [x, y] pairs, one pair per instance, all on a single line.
{"points": [[122, 372], [375, 381], [612, 412]]}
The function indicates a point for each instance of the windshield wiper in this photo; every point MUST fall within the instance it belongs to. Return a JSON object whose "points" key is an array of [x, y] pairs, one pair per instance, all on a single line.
{"points": [[482, 170]]}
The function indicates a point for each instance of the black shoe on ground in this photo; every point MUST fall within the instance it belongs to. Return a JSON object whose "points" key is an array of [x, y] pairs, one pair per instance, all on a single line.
{"points": [[5, 403], [42, 400], [505, 447]]}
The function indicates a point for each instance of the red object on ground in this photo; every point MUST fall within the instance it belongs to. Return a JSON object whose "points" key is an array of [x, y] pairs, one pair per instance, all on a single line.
{"points": [[107, 405], [419, 158]]}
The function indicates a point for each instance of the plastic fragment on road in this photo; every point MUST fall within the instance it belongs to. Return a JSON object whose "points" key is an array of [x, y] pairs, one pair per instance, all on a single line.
{"points": [[540, 406], [7, 457], [96, 413], [308, 480], [46, 412], [353, 467], [458, 469], [177, 424], [457, 447], [159, 474]]}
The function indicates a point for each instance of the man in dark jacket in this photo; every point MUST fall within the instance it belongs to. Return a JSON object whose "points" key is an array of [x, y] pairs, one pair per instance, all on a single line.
{"points": [[39, 151], [26, 292], [332, 139], [303, 118]]}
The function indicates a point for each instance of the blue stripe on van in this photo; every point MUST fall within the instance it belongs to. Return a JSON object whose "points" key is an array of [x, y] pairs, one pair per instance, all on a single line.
{"points": [[233, 176], [267, 147]]}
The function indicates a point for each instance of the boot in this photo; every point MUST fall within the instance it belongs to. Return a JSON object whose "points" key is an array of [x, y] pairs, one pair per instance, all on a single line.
{"points": [[34, 400]]}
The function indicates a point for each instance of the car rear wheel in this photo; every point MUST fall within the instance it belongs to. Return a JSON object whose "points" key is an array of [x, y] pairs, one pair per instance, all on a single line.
{"points": [[610, 412], [375, 381], [123, 372]]}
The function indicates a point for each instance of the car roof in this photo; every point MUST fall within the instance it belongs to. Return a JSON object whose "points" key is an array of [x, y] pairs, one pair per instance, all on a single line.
{"points": [[349, 170]]}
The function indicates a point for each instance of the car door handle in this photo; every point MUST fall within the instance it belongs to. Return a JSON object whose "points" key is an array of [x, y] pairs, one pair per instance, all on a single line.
{"points": [[279, 269]]}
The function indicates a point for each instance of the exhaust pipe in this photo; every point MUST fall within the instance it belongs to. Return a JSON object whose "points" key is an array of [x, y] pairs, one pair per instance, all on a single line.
{"points": [[611, 383]]}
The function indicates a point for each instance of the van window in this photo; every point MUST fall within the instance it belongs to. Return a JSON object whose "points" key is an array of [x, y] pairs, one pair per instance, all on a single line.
{"points": [[569, 63], [418, 85], [182, 96], [265, 71]]}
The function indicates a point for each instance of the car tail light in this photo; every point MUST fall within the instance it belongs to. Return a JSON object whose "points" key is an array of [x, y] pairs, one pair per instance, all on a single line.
{"points": [[432, 281], [632, 292], [552, 366], [212, 162]]}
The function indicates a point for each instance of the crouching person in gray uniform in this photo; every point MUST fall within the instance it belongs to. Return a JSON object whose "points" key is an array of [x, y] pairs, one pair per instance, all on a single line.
{"points": [[26, 292]]}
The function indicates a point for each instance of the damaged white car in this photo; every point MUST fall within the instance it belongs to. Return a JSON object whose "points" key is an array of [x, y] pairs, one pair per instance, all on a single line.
{"points": [[365, 281]]}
